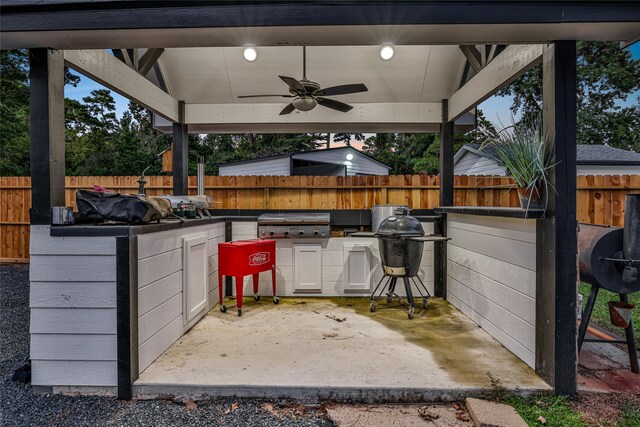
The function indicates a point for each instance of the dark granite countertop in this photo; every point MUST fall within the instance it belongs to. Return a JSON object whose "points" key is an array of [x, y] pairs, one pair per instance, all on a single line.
{"points": [[493, 211], [105, 230]]}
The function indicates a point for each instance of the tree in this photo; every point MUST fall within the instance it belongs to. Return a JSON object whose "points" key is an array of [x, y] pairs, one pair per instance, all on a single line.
{"points": [[347, 137], [14, 111], [608, 105]]}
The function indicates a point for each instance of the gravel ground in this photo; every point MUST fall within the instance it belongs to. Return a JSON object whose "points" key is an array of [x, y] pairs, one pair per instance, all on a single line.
{"points": [[19, 406]]}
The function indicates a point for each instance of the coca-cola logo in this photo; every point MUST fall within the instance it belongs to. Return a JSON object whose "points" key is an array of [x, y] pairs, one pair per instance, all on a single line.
{"points": [[259, 258]]}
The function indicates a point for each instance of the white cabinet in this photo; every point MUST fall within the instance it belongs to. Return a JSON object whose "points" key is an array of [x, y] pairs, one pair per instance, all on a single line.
{"points": [[194, 277], [307, 268], [357, 267]]}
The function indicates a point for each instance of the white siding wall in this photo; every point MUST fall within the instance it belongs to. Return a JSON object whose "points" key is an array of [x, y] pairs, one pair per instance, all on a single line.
{"points": [[360, 165], [333, 268], [160, 305], [608, 170], [472, 164], [279, 166], [73, 309], [491, 273]]}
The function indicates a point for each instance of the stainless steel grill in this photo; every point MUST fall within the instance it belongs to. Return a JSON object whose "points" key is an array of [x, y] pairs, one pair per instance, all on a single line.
{"points": [[294, 225]]}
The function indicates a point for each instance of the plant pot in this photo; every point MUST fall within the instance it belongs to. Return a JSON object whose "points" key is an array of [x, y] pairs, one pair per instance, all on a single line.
{"points": [[530, 198], [620, 313]]}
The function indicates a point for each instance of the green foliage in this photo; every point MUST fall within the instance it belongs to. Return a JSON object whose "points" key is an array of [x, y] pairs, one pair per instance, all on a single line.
{"points": [[14, 113], [520, 149], [556, 410], [600, 314], [347, 137], [608, 83], [631, 415]]}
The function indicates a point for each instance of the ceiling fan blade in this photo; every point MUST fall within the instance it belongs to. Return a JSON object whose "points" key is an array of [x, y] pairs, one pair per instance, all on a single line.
{"points": [[333, 104], [342, 89], [293, 84], [263, 96], [288, 109]]}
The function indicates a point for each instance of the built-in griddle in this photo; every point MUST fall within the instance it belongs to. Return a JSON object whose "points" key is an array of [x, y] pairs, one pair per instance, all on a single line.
{"points": [[294, 225]]}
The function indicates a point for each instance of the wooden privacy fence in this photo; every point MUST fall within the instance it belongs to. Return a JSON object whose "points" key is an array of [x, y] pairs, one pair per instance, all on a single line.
{"points": [[600, 199]]}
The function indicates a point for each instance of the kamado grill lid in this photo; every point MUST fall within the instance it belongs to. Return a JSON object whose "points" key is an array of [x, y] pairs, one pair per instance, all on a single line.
{"points": [[400, 225]]}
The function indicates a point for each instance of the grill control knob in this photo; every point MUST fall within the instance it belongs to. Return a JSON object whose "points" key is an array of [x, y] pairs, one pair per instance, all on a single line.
{"points": [[286, 233], [316, 233], [301, 232], [271, 233]]}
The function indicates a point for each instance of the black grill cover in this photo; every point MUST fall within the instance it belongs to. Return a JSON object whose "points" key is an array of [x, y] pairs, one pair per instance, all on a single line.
{"points": [[102, 206]]}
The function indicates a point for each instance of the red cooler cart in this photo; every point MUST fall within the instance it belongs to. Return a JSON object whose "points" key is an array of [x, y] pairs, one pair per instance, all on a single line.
{"points": [[242, 258]]}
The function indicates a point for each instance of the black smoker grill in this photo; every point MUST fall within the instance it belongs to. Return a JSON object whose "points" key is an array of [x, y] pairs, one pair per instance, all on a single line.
{"points": [[401, 239], [610, 259]]}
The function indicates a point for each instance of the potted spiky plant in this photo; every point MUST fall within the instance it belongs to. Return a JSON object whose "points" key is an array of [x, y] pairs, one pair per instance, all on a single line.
{"points": [[519, 148]]}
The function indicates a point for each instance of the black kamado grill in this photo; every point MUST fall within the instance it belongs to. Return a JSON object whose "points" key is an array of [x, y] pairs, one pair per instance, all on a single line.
{"points": [[610, 259], [401, 239]]}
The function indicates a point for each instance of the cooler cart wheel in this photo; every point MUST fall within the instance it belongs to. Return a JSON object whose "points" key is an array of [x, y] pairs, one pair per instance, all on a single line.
{"points": [[239, 313], [425, 303], [372, 307], [276, 300], [256, 298], [410, 313], [223, 308]]}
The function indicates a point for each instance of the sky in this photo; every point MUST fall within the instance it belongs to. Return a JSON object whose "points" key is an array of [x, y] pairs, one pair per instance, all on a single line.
{"points": [[496, 109]]}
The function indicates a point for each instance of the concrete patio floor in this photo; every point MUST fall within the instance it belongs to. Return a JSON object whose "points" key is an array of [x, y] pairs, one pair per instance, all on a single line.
{"points": [[334, 348]]}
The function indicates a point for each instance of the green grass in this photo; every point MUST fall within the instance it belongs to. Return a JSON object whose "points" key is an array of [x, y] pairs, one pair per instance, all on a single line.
{"points": [[556, 410], [600, 314], [631, 417]]}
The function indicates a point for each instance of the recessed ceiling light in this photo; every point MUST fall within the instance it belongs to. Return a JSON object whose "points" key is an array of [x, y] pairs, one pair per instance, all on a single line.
{"points": [[349, 157], [386, 52], [250, 54]]}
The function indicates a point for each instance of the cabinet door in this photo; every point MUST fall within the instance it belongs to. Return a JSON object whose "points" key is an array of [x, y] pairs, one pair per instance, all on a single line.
{"points": [[307, 268], [357, 268], [194, 277]]}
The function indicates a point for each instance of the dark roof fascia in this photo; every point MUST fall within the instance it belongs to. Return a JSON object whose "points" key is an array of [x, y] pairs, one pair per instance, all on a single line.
{"points": [[358, 152], [95, 15], [609, 162], [481, 153], [257, 159]]}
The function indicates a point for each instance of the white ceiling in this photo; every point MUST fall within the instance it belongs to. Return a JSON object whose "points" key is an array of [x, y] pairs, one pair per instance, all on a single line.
{"points": [[217, 75]]}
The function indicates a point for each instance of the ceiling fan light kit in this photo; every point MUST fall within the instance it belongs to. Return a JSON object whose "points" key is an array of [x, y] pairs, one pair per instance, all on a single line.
{"points": [[386, 52], [308, 94], [304, 103]]}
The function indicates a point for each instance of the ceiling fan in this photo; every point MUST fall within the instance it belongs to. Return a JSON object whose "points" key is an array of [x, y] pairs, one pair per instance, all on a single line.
{"points": [[307, 94]]}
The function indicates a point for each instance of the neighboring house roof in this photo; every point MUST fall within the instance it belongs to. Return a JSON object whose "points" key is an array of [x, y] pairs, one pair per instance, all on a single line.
{"points": [[587, 154], [293, 155]]}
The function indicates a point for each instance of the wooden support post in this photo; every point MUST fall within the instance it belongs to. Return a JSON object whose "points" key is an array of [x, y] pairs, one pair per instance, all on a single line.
{"points": [[180, 154], [446, 199], [556, 330], [47, 133], [446, 157], [127, 314]]}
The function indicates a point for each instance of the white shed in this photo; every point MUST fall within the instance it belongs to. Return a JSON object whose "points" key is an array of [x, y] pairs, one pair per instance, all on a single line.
{"points": [[591, 160], [340, 161]]}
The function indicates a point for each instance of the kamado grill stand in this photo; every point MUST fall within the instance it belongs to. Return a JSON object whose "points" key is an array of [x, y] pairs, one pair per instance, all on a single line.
{"points": [[401, 239], [610, 259]]}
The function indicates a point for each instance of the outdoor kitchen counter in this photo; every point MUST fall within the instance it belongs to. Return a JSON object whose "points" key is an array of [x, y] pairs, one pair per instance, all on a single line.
{"points": [[106, 230], [492, 211]]}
